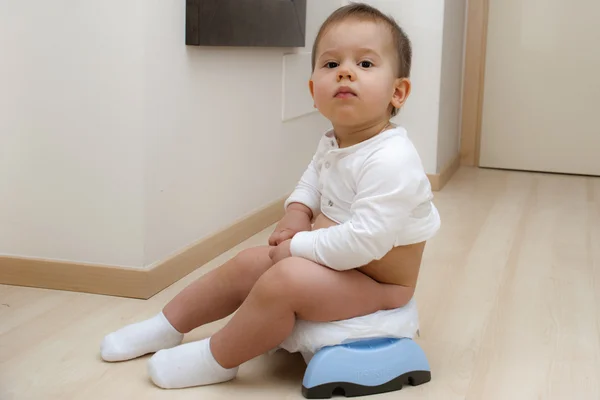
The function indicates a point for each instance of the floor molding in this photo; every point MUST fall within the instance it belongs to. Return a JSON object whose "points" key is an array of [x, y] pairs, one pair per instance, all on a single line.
{"points": [[75, 277], [132, 282], [438, 181]]}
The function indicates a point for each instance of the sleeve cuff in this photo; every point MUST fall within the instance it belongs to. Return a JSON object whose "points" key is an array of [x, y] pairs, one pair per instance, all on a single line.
{"points": [[303, 245], [306, 200]]}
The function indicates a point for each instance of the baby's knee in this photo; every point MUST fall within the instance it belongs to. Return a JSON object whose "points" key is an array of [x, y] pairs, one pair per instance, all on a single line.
{"points": [[252, 258], [247, 266], [247, 255], [287, 278]]}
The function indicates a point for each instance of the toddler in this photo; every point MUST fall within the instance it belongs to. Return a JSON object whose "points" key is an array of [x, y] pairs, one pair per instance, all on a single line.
{"points": [[354, 230]]}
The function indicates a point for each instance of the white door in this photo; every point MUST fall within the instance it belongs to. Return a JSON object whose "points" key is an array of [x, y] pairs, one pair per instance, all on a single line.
{"points": [[541, 106]]}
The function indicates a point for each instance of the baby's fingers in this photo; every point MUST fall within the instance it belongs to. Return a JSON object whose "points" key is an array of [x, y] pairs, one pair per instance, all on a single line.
{"points": [[285, 235], [274, 239]]}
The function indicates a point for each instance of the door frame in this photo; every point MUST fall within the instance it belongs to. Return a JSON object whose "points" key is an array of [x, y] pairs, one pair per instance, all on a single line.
{"points": [[473, 81]]}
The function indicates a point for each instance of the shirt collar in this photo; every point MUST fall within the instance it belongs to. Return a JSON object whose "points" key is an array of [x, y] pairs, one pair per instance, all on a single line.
{"points": [[333, 145]]}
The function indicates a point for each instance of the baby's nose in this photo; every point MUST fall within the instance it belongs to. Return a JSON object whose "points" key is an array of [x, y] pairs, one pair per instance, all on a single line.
{"points": [[345, 74]]}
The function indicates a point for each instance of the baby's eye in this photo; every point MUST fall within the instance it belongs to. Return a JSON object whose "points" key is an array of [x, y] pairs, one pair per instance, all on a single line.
{"points": [[366, 64], [331, 64]]}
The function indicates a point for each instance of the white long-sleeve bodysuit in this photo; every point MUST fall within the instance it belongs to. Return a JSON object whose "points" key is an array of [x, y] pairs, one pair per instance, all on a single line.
{"points": [[378, 193]]}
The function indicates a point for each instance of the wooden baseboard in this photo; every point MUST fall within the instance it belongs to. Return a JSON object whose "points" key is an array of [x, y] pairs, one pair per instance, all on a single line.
{"points": [[76, 277], [438, 181], [132, 282]]}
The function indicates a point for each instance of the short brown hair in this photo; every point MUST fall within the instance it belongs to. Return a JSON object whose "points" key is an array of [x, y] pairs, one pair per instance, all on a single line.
{"points": [[363, 11]]}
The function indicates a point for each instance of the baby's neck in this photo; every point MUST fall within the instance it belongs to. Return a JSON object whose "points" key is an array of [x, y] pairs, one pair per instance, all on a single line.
{"points": [[350, 135]]}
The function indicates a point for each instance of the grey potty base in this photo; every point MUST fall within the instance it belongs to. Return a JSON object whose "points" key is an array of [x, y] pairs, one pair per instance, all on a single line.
{"points": [[347, 389], [365, 368]]}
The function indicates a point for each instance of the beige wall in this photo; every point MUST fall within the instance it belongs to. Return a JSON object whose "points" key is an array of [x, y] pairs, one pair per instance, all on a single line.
{"points": [[71, 114]]}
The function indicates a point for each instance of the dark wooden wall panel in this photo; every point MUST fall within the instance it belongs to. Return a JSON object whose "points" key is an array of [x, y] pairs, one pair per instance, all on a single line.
{"points": [[265, 23]]}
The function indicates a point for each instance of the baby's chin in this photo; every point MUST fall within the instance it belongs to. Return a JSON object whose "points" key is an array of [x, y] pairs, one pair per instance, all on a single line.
{"points": [[349, 117], [351, 111]]}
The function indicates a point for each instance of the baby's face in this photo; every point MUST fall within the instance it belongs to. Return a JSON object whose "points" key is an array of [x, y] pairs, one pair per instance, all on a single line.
{"points": [[354, 80]]}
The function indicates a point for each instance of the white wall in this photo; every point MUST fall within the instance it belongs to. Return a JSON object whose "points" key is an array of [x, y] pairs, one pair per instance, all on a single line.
{"points": [[120, 145], [70, 130], [451, 82]]}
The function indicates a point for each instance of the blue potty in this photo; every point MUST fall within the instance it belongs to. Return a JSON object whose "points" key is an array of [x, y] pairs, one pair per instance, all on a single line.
{"points": [[364, 368]]}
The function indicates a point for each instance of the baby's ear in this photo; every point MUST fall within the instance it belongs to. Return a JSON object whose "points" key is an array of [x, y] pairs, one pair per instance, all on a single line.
{"points": [[402, 87], [311, 87]]}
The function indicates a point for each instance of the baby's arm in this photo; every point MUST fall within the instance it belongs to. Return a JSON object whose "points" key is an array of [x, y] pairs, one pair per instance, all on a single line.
{"points": [[300, 208], [296, 219], [388, 189]]}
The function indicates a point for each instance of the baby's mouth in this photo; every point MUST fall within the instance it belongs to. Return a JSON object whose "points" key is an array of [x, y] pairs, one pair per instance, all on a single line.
{"points": [[344, 93]]}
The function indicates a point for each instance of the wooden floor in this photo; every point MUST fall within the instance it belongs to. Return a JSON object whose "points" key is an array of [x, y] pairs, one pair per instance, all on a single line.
{"points": [[509, 300]]}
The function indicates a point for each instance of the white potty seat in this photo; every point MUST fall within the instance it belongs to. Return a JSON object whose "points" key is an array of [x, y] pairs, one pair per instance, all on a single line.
{"points": [[309, 337]]}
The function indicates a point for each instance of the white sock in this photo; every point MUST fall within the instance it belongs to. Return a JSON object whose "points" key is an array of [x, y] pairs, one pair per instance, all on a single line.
{"points": [[191, 364], [141, 338]]}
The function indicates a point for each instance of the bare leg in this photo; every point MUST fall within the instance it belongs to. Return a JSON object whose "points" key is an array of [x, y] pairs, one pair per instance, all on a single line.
{"points": [[293, 288], [212, 297], [218, 293], [299, 288]]}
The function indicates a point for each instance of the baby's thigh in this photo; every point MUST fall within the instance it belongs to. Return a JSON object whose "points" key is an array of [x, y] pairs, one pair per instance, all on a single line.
{"points": [[318, 293]]}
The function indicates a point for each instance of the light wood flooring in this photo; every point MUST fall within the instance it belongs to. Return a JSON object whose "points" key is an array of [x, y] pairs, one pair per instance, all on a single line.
{"points": [[509, 301]]}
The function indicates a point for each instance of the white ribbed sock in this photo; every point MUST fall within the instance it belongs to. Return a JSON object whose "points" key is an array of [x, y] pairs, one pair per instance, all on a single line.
{"points": [[141, 338], [187, 365]]}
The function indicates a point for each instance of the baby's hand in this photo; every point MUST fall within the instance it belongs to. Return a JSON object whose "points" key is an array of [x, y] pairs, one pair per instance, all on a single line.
{"points": [[293, 222], [281, 252]]}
